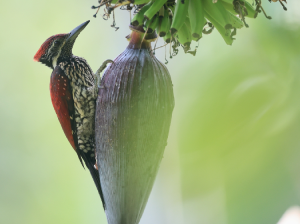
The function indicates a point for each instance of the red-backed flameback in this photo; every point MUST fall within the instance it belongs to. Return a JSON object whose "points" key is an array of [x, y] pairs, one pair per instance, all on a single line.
{"points": [[73, 90]]}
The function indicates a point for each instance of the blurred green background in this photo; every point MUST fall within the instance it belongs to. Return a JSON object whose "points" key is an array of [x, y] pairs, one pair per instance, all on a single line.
{"points": [[233, 151]]}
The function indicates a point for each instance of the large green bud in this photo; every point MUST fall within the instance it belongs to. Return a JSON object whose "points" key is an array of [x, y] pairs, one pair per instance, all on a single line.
{"points": [[133, 116]]}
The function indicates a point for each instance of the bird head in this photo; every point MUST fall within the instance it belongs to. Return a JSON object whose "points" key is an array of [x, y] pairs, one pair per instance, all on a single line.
{"points": [[58, 47]]}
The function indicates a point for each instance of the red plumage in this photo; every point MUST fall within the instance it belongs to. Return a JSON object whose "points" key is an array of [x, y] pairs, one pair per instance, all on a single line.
{"points": [[46, 45], [62, 101]]}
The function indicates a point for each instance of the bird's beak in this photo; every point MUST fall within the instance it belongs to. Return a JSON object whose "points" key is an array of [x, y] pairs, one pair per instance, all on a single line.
{"points": [[75, 32]]}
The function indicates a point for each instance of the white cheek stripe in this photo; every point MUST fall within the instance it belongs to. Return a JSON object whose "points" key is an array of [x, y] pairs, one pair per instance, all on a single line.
{"points": [[54, 61]]}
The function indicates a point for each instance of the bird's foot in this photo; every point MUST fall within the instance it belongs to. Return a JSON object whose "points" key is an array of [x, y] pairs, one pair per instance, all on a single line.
{"points": [[102, 67]]}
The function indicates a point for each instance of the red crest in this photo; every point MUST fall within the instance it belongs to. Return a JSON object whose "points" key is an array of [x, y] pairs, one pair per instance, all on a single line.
{"points": [[46, 45]]}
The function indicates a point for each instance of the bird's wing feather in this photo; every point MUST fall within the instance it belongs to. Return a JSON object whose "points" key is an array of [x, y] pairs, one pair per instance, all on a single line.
{"points": [[63, 103]]}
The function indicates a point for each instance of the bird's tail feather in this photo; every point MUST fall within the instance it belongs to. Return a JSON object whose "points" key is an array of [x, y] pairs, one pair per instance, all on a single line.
{"points": [[96, 178]]}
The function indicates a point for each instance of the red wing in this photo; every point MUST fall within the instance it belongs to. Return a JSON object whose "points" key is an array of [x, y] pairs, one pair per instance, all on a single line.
{"points": [[63, 103], [62, 100]]}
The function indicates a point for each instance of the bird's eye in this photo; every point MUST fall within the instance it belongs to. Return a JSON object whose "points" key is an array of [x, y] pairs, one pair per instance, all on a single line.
{"points": [[56, 42]]}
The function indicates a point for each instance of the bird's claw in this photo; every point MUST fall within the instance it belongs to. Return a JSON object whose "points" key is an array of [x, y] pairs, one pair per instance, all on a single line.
{"points": [[102, 67]]}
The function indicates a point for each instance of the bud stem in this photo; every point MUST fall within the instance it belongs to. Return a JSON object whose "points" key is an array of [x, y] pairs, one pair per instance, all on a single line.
{"points": [[138, 40]]}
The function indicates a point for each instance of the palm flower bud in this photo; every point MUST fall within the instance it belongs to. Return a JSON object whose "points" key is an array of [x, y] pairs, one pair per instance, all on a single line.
{"points": [[133, 116]]}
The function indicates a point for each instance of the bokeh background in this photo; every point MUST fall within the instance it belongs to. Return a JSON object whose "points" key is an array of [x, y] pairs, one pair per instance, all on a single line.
{"points": [[233, 152]]}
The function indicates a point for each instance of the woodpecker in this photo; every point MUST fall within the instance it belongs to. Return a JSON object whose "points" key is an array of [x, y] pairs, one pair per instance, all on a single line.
{"points": [[73, 90]]}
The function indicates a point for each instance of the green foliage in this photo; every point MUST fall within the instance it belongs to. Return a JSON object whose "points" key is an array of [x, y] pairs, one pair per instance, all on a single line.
{"points": [[239, 135]]}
